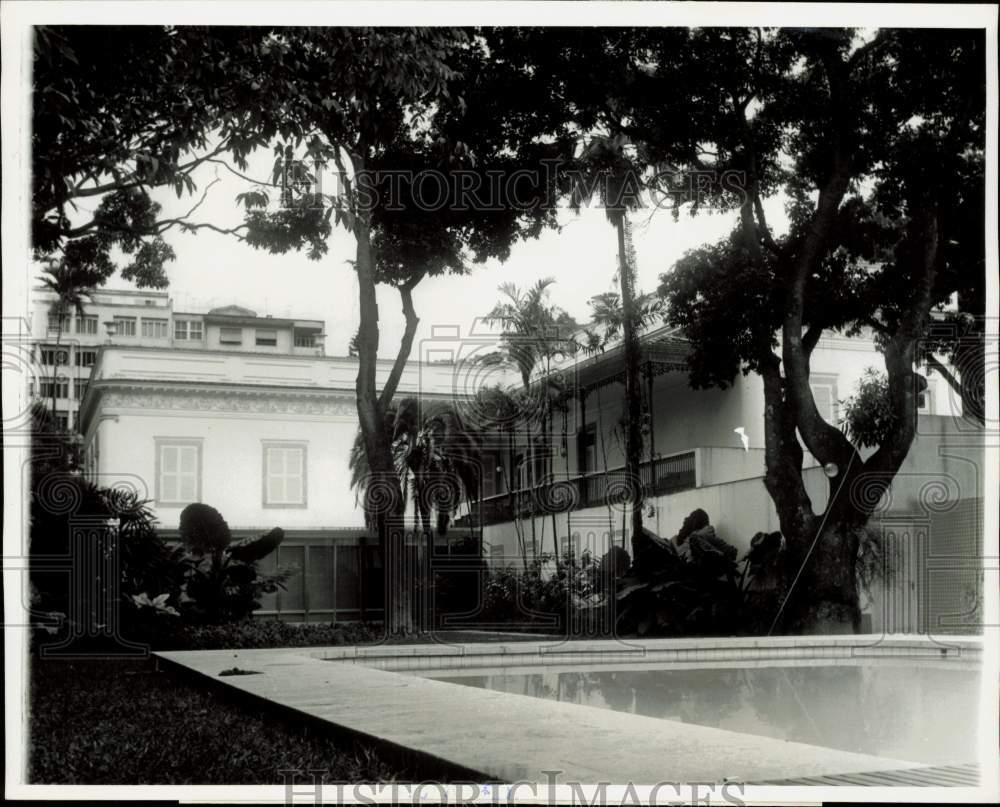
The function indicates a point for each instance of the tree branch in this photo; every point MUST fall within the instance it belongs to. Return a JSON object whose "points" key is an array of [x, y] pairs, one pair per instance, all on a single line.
{"points": [[405, 344], [900, 351], [826, 442], [945, 373]]}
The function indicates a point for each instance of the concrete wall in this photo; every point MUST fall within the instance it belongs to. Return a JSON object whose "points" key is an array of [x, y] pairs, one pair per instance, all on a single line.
{"points": [[248, 340], [232, 403], [944, 466], [232, 446]]}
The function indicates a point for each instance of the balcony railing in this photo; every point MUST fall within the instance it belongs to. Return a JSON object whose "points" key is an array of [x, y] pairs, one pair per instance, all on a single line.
{"points": [[663, 475]]}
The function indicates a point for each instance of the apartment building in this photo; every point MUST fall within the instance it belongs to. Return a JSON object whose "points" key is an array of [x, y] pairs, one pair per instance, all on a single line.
{"points": [[65, 352]]}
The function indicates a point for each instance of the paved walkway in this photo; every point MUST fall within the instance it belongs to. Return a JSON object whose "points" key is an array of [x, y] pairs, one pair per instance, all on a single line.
{"points": [[496, 736]]}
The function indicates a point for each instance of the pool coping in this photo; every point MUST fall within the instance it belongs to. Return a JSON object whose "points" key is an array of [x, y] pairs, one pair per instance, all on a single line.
{"points": [[554, 652], [468, 732]]}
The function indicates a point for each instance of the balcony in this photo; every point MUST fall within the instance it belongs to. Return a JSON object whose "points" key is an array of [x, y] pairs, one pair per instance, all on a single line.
{"points": [[661, 476]]}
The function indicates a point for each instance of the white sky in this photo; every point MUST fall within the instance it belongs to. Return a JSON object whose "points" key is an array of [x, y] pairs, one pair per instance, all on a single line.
{"points": [[213, 269]]}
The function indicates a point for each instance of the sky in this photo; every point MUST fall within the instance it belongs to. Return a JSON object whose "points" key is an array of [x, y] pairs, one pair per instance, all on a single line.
{"points": [[213, 270]]}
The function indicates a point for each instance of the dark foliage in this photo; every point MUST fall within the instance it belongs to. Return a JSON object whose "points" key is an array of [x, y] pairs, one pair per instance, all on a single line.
{"points": [[223, 584], [114, 721]]}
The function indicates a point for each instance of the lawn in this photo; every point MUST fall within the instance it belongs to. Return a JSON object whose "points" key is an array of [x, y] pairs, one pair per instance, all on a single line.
{"points": [[118, 721]]}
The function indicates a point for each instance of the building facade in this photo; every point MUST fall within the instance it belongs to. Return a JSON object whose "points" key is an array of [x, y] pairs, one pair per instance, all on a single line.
{"points": [[264, 438], [259, 424], [65, 352]]}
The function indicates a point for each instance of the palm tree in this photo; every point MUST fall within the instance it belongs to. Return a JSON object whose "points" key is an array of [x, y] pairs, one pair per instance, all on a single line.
{"points": [[605, 159], [534, 332], [71, 285], [437, 459]]}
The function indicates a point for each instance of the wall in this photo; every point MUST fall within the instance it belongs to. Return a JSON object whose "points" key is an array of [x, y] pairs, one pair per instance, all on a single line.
{"points": [[944, 466], [232, 453], [248, 341], [232, 402]]}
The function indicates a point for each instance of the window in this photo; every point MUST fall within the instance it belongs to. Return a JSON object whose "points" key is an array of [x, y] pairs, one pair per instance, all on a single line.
{"points": [[63, 420], [520, 472], [284, 474], [154, 328], [925, 398], [230, 336], [587, 458], [86, 358], [61, 387], [824, 390], [54, 324], [52, 356], [178, 471], [124, 326], [305, 339], [86, 325], [187, 330], [268, 338], [80, 389]]}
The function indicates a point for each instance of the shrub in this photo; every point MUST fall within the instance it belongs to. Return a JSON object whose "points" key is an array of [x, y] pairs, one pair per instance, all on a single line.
{"points": [[253, 633], [224, 584], [148, 566], [549, 594], [704, 591]]}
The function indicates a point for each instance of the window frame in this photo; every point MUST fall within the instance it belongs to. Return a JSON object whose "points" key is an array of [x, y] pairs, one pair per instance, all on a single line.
{"points": [[188, 330], [222, 335], [61, 384], [155, 321], [177, 442], [88, 319], [119, 321], [303, 447], [925, 399], [828, 380], [53, 351], [81, 352], [587, 443], [268, 342]]}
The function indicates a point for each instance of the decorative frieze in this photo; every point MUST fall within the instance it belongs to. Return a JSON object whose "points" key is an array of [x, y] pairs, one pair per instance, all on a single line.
{"points": [[241, 401]]}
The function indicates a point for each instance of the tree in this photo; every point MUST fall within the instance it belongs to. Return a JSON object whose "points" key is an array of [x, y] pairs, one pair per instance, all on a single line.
{"points": [[438, 462], [606, 158], [71, 281], [119, 113], [533, 333], [901, 114], [388, 105]]}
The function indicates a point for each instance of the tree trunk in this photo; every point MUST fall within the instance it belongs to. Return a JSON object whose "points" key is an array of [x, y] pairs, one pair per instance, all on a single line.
{"points": [[55, 376], [633, 388], [604, 457], [383, 493]]}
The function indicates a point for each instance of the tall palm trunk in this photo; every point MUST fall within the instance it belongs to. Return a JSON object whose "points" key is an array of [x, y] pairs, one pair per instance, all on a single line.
{"points": [[55, 372], [633, 387], [604, 457]]}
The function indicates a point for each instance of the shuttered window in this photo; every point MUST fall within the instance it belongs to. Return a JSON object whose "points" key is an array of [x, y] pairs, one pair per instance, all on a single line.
{"points": [[284, 474], [178, 472]]}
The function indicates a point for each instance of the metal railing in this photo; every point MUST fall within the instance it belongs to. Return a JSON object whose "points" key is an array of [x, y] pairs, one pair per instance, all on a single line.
{"points": [[661, 476]]}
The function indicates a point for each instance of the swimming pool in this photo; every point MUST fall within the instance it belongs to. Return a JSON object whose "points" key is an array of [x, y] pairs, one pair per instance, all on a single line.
{"points": [[911, 710], [807, 711]]}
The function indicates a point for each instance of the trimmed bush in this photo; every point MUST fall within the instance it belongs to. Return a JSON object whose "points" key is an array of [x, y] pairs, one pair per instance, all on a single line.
{"points": [[250, 634]]}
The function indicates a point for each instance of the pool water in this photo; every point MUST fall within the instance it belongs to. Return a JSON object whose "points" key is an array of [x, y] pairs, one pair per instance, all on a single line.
{"points": [[911, 710]]}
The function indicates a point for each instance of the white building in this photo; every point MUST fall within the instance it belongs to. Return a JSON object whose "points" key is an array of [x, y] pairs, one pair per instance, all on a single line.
{"points": [[246, 423], [264, 437], [140, 318]]}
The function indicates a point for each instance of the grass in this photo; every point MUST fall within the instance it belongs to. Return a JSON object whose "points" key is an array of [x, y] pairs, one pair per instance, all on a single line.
{"points": [[119, 721], [116, 721]]}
